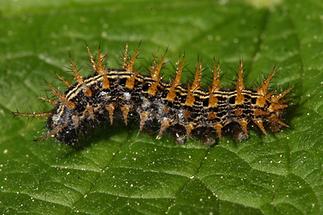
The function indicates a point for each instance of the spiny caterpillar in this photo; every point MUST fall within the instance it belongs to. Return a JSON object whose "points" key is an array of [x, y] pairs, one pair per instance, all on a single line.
{"points": [[124, 93]]}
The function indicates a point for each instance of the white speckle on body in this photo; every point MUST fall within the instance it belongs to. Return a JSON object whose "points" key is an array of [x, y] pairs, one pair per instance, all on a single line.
{"points": [[145, 103], [127, 96]]}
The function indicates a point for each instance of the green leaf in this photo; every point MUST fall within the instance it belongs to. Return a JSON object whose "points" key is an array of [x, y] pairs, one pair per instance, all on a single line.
{"points": [[123, 172]]}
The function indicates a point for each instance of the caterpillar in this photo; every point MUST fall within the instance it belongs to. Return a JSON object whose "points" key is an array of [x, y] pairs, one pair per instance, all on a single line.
{"points": [[110, 94]]}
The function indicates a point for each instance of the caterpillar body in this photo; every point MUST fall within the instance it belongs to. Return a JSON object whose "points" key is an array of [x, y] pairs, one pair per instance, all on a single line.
{"points": [[110, 94]]}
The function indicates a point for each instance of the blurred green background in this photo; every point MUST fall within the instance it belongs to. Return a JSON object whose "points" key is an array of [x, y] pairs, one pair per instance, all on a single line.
{"points": [[128, 173]]}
